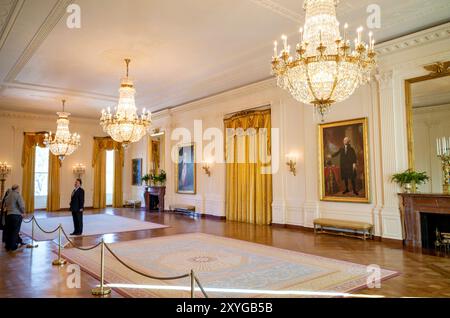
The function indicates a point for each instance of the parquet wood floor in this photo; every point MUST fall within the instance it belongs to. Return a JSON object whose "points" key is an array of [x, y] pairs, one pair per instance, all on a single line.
{"points": [[29, 273]]}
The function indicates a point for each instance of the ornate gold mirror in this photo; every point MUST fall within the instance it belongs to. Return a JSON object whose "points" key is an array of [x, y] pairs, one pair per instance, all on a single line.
{"points": [[428, 119], [156, 151]]}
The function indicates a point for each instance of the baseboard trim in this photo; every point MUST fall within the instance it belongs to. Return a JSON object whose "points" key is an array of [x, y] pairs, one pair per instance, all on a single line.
{"points": [[213, 217], [64, 209], [293, 227], [388, 240], [199, 215], [68, 209]]}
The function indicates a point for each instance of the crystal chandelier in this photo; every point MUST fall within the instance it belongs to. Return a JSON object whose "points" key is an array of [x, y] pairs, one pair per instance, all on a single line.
{"points": [[62, 143], [125, 126], [324, 69]]}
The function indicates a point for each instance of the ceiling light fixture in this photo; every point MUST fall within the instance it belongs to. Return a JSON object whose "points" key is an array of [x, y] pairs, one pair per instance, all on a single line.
{"points": [[125, 126], [62, 143], [323, 69]]}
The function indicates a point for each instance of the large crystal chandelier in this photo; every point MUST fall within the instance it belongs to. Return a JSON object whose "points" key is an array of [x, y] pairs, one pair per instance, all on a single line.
{"points": [[62, 143], [125, 126], [325, 68]]}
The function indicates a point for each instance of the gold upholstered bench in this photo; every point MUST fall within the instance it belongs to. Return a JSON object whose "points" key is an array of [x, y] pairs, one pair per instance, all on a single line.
{"points": [[132, 204], [351, 228], [185, 208]]}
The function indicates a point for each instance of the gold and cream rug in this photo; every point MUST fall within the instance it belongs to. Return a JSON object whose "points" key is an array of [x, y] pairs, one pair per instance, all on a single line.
{"points": [[94, 224], [225, 267]]}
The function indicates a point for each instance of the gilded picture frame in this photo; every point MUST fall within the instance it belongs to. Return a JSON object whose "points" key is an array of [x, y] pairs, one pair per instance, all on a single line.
{"points": [[186, 170], [136, 172], [344, 161]]}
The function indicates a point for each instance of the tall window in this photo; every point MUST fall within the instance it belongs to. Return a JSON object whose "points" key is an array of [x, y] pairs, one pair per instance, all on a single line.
{"points": [[41, 178], [109, 176]]}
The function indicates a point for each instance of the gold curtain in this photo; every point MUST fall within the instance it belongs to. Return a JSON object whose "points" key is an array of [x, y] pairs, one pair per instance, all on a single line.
{"points": [[248, 174], [53, 194], [101, 145], [99, 196], [30, 141], [118, 175]]}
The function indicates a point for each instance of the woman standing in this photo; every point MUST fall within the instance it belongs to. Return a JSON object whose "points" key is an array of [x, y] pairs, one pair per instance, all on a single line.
{"points": [[15, 208], [3, 216]]}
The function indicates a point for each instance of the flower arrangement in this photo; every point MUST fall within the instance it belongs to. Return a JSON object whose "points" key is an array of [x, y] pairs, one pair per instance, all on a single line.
{"points": [[146, 178], [159, 179], [409, 179]]}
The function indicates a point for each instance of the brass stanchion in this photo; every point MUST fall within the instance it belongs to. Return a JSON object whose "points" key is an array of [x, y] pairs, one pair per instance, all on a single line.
{"points": [[192, 283], [102, 290], [59, 261], [32, 245]]}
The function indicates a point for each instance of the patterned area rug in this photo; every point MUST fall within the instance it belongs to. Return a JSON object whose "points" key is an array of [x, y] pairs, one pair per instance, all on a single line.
{"points": [[225, 267], [94, 224]]}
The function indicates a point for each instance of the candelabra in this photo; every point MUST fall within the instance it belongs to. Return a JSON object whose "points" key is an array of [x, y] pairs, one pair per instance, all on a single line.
{"points": [[5, 170], [443, 152]]}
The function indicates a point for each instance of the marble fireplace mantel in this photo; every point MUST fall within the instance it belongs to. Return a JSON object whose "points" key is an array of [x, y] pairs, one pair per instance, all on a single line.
{"points": [[411, 207]]}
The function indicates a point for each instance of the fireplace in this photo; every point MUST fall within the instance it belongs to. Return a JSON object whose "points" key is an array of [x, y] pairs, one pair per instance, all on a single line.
{"points": [[154, 202], [432, 223], [154, 198], [421, 214]]}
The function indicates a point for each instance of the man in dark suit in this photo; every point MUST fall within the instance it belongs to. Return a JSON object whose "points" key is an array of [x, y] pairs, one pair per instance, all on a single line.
{"points": [[77, 207], [348, 165]]}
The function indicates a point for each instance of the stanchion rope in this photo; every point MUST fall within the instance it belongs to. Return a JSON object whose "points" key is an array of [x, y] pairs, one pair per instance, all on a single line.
{"points": [[46, 232], [78, 247], [116, 257], [139, 272], [201, 287], [30, 220]]}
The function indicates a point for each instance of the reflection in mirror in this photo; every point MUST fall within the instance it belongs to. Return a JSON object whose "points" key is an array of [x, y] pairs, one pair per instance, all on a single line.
{"points": [[156, 151], [430, 111]]}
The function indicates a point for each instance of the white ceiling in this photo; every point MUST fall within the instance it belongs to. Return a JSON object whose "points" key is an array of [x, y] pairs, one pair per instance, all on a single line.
{"points": [[181, 50]]}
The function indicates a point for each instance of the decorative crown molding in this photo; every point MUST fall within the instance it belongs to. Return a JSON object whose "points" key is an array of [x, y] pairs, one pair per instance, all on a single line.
{"points": [[428, 36], [57, 12], [9, 10], [6, 8], [220, 97], [279, 9], [34, 116]]}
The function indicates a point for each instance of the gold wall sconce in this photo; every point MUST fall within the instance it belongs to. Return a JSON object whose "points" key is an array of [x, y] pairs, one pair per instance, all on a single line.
{"points": [[292, 163], [5, 170], [207, 168], [79, 170]]}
